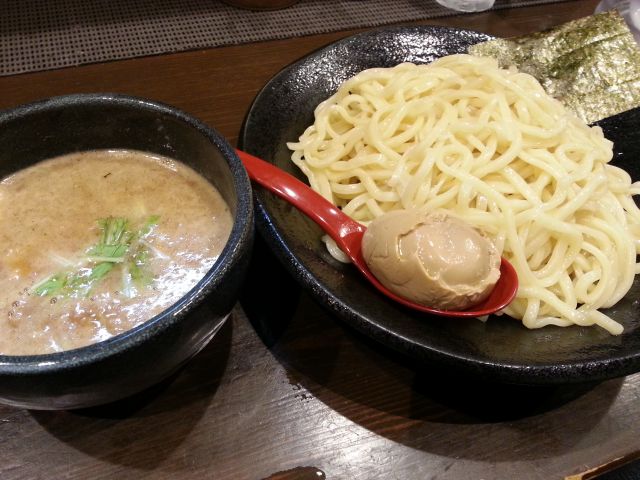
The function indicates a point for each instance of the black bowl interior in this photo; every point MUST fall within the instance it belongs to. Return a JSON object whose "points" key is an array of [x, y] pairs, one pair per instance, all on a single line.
{"points": [[500, 349], [79, 122]]}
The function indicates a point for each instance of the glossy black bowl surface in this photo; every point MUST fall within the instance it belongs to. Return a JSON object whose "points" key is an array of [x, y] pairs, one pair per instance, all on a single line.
{"points": [[141, 357], [500, 349]]}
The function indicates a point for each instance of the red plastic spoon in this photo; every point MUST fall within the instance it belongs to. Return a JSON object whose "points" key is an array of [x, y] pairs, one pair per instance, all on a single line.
{"points": [[347, 233]]}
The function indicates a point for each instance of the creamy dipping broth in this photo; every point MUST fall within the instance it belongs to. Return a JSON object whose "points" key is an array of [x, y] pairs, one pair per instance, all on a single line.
{"points": [[94, 243]]}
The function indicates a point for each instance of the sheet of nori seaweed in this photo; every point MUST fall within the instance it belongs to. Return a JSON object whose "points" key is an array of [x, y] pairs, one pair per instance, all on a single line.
{"points": [[592, 65]]}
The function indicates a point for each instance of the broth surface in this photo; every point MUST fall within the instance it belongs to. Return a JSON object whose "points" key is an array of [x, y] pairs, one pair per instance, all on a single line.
{"points": [[50, 215]]}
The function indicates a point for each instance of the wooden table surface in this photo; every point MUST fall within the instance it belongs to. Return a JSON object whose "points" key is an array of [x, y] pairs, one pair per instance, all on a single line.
{"points": [[292, 393]]}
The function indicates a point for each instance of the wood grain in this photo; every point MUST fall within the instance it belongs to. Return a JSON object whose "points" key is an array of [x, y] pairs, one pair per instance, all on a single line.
{"points": [[285, 391]]}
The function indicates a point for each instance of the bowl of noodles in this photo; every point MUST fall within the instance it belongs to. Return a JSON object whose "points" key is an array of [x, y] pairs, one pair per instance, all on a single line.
{"points": [[403, 118]]}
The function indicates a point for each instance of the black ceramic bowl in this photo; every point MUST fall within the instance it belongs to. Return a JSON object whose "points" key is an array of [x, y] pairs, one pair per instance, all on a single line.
{"points": [[134, 360], [501, 349]]}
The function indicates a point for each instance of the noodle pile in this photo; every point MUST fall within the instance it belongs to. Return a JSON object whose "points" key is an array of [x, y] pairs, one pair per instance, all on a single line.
{"points": [[493, 148]]}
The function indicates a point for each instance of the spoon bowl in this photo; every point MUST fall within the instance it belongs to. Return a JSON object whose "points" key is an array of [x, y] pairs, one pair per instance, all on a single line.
{"points": [[347, 233]]}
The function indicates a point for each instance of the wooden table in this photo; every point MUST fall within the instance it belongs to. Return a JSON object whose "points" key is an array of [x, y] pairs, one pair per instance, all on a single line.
{"points": [[297, 394]]}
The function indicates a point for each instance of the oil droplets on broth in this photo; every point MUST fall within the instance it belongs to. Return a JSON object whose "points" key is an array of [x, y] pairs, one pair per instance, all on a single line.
{"points": [[95, 243]]}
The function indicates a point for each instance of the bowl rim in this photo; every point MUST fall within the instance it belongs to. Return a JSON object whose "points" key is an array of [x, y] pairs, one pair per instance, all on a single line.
{"points": [[231, 254]]}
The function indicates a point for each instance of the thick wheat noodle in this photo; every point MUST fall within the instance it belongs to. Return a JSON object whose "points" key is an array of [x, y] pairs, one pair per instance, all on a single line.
{"points": [[493, 148]]}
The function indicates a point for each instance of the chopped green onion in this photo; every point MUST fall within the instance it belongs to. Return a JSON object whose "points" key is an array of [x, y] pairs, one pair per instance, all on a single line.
{"points": [[51, 286], [117, 245]]}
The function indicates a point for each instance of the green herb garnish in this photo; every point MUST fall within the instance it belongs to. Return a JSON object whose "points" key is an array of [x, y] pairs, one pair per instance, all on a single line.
{"points": [[51, 286], [114, 243], [118, 244]]}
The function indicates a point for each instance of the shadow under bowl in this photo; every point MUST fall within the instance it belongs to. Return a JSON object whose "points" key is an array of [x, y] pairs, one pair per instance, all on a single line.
{"points": [[136, 359]]}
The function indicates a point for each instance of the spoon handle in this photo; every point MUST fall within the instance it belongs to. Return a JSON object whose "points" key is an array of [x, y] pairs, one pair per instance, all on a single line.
{"points": [[338, 225]]}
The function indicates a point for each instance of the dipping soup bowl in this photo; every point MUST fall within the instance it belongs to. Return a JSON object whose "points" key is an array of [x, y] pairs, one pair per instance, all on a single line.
{"points": [[134, 360]]}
